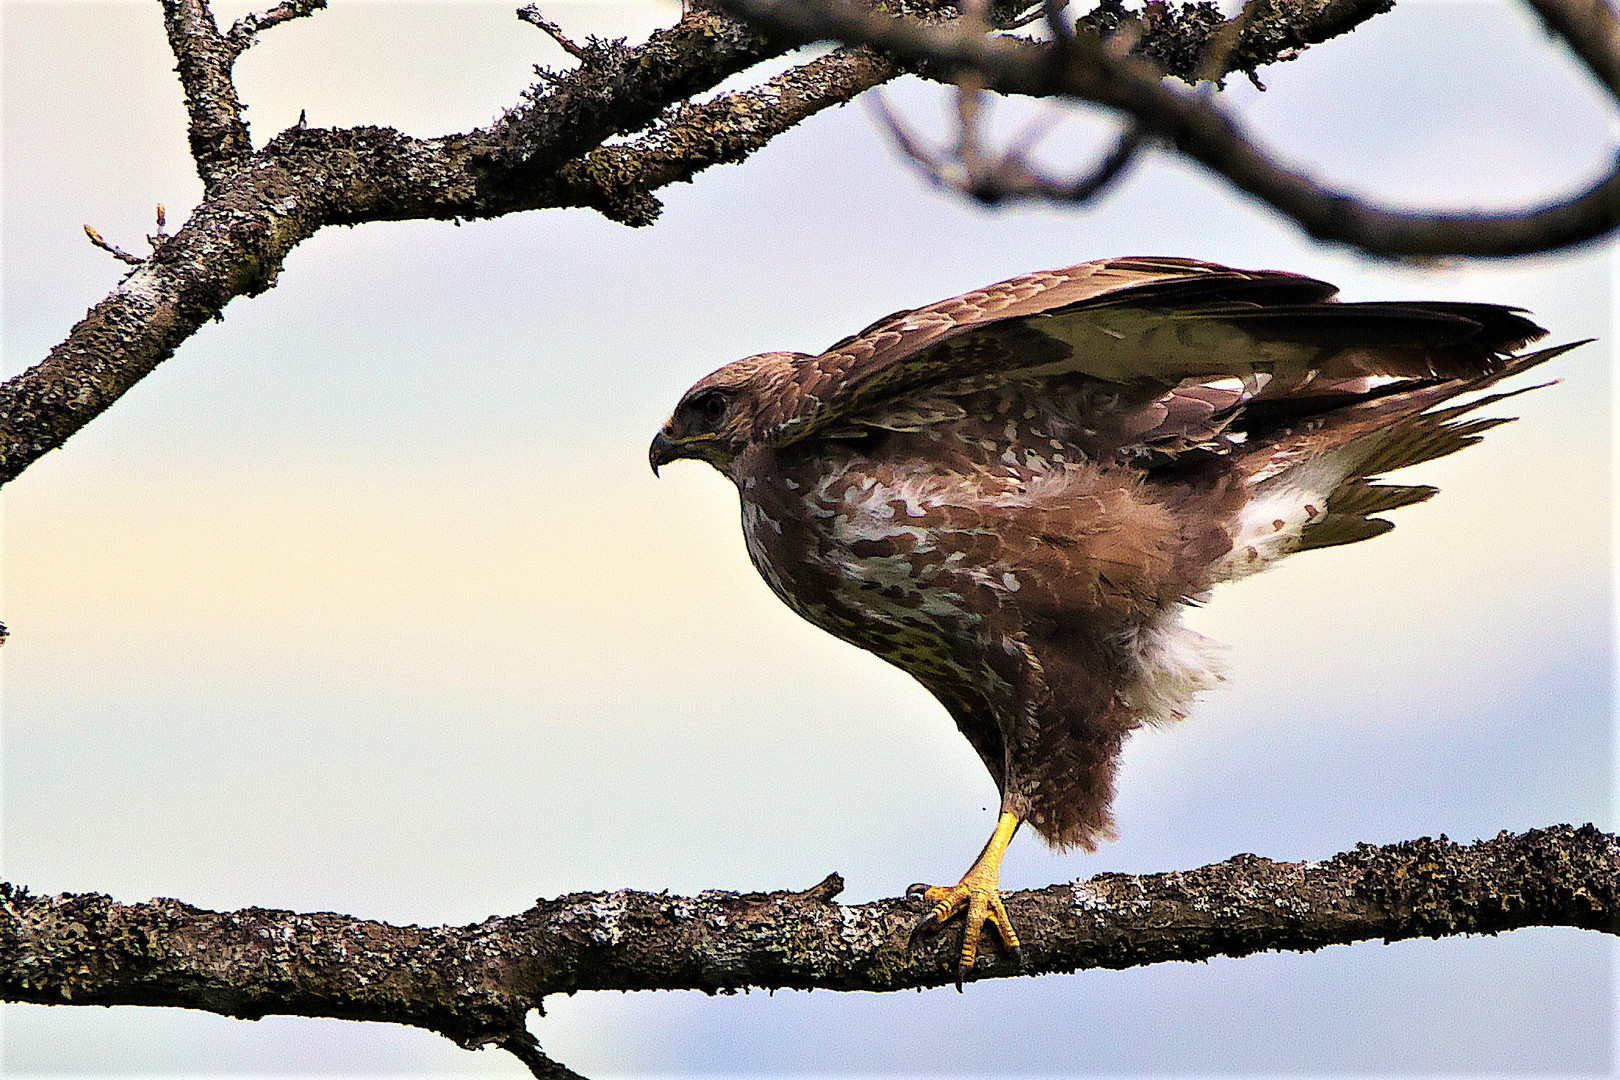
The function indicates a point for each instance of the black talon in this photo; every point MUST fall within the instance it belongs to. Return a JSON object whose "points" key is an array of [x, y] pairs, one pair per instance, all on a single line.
{"points": [[928, 924], [917, 889], [961, 973], [1017, 953]]}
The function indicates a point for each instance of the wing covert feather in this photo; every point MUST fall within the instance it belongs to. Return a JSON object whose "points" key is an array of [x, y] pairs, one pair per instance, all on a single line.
{"points": [[1145, 322]]}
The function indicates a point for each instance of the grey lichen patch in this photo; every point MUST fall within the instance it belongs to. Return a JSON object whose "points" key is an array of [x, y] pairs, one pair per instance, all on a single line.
{"points": [[604, 927], [1434, 887]]}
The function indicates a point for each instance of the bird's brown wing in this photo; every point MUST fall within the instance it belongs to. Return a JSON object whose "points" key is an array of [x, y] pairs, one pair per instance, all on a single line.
{"points": [[1150, 323]]}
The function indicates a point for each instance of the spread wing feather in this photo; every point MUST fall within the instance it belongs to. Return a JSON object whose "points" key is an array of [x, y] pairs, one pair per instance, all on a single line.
{"points": [[1384, 434], [1153, 323]]}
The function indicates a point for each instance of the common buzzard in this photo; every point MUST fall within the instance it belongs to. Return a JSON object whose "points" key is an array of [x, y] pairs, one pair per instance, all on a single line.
{"points": [[1012, 495]]}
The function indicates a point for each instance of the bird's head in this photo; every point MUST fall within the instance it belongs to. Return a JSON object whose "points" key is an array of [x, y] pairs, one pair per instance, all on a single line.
{"points": [[720, 415]]}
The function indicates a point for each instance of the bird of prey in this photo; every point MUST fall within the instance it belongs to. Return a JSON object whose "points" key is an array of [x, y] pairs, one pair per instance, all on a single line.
{"points": [[1013, 495]]}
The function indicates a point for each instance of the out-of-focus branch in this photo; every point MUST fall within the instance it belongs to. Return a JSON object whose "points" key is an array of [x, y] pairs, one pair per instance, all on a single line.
{"points": [[1085, 69], [475, 984], [993, 178], [1592, 31]]}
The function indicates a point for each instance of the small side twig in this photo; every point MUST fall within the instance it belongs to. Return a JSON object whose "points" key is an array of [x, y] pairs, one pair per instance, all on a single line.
{"points": [[112, 249], [244, 33], [968, 169], [530, 14], [1223, 47]]}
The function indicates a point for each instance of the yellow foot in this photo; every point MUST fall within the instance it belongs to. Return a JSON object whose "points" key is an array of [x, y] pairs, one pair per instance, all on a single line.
{"points": [[978, 895]]}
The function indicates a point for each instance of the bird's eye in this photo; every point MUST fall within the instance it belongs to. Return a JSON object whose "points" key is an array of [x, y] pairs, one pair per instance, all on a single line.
{"points": [[710, 406]]}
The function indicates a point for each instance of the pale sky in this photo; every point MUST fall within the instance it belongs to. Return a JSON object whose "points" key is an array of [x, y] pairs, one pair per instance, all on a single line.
{"points": [[366, 600]]}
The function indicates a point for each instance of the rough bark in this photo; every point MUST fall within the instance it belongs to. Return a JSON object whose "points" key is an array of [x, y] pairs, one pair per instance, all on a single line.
{"points": [[475, 984]]}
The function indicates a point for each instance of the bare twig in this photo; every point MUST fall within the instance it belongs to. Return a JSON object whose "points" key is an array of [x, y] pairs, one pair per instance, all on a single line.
{"points": [[158, 236], [475, 984], [1099, 178], [116, 252], [523, 1046], [968, 169], [530, 14]]}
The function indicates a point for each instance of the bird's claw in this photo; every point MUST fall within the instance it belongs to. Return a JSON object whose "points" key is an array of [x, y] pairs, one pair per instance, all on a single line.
{"points": [[927, 926], [982, 904]]}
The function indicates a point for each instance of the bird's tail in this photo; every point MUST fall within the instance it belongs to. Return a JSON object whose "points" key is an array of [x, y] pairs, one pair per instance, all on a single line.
{"points": [[1312, 477]]}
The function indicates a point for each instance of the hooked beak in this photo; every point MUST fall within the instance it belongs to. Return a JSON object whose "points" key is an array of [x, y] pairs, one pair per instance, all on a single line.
{"points": [[662, 451]]}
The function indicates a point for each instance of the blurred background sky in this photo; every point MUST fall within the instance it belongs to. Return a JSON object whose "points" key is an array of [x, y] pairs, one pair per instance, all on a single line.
{"points": [[366, 600]]}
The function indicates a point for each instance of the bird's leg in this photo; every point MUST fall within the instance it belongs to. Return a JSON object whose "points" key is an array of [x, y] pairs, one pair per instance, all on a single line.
{"points": [[979, 894]]}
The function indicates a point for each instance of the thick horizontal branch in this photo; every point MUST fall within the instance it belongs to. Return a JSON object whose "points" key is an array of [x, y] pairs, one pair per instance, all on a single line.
{"points": [[1085, 68], [474, 984]]}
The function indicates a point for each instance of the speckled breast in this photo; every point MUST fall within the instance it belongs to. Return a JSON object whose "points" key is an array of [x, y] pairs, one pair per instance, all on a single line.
{"points": [[889, 557]]}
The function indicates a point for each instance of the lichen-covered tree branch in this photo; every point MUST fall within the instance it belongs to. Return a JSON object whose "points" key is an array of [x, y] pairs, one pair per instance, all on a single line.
{"points": [[475, 984]]}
